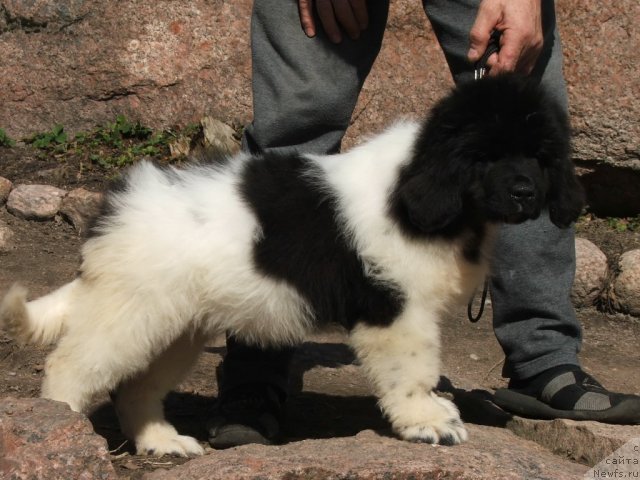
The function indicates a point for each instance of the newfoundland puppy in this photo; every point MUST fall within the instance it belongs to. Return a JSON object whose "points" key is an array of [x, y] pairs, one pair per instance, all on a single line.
{"points": [[383, 240]]}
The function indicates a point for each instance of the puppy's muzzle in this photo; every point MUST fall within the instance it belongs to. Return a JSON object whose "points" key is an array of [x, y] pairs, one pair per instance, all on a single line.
{"points": [[523, 193], [524, 198]]}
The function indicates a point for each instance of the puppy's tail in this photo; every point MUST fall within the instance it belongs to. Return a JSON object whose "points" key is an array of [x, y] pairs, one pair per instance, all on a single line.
{"points": [[41, 321]]}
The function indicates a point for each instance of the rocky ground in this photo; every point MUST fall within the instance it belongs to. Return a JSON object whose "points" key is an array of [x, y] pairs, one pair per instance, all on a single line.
{"points": [[333, 428]]}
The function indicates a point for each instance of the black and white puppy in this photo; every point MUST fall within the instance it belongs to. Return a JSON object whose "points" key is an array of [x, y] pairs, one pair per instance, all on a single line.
{"points": [[383, 239]]}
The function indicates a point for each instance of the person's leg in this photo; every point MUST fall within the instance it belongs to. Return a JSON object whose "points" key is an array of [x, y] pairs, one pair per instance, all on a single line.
{"points": [[534, 264], [305, 89], [252, 390], [532, 271], [304, 93]]}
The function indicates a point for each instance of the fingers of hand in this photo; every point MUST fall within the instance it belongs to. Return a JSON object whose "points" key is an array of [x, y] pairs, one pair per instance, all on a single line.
{"points": [[521, 40], [337, 15], [518, 52], [329, 21], [305, 9], [489, 15]]}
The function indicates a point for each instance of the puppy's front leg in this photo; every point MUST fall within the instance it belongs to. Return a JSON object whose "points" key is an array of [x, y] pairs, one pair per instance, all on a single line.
{"points": [[403, 362]]}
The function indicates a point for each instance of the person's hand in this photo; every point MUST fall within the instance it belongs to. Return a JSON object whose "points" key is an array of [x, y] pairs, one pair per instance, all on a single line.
{"points": [[335, 16], [521, 40]]}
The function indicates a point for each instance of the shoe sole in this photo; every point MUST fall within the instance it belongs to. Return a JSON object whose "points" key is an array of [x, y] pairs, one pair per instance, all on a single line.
{"points": [[627, 412], [230, 436]]}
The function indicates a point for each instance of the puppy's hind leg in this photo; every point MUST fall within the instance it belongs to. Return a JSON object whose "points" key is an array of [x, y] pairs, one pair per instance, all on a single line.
{"points": [[66, 379], [109, 338], [402, 360], [139, 401], [83, 364]]}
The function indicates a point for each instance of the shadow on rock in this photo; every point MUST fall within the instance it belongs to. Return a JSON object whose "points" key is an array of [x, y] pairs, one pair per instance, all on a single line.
{"points": [[309, 415], [476, 406]]}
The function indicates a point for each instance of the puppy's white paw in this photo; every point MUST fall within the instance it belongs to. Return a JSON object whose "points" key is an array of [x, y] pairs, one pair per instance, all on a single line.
{"points": [[164, 440], [441, 425], [451, 432]]}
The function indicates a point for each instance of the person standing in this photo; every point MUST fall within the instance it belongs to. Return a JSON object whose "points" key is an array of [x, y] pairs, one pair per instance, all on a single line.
{"points": [[310, 61]]}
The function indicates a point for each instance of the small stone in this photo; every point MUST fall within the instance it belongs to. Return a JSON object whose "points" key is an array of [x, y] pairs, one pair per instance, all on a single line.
{"points": [[6, 237], [219, 136], [591, 273], [627, 283], [35, 202], [53, 175], [473, 356], [180, 147], [130, 465], [80, 207], [5, 188]]}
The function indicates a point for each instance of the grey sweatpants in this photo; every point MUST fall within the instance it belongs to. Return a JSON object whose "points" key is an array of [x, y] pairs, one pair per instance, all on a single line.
{"points": [[304, 93]]}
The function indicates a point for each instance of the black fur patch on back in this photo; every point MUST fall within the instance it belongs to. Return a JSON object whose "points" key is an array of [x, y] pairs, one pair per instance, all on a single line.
{"points": [[303, 244]]}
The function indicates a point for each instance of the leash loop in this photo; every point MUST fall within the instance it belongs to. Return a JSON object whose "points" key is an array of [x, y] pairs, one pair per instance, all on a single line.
{"points": [[483, 301]]}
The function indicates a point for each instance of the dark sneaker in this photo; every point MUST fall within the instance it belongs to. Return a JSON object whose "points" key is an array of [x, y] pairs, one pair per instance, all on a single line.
{"points": [[568, 392], [249, 413]]}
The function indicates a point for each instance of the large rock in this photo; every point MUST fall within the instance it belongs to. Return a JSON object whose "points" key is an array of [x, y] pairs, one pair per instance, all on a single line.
{"points": [[490, 454], [166, 63], [42, 439], [601, 42], [162, 62], [585, 442]]}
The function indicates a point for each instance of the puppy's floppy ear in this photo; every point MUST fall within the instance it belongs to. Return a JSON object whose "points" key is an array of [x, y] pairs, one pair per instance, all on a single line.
{"points": [[429, 194], [428, 202], [565, 197]]}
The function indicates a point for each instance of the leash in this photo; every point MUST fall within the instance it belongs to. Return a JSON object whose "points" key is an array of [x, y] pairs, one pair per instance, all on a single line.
{"points": [[480, 70], [483, 301]]}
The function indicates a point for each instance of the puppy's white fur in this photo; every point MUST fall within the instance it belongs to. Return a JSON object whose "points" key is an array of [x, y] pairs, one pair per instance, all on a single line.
{"points": [[174, 268]]}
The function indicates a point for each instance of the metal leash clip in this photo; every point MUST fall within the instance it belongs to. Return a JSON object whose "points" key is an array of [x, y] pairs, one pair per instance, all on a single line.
{"points": [[480, 68]]}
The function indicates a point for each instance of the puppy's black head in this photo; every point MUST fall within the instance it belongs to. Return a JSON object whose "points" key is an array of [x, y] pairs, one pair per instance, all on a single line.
{"points": [[494, 150]]}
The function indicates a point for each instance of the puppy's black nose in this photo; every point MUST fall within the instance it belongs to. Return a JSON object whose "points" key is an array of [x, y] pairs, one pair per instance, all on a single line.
{"points": [[522, 191]]}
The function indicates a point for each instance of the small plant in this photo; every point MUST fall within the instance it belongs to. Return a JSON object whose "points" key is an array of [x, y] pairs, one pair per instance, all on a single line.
{"points": [[121, 143], [127, 129], [55, 138], [114, 134], [109, 147], [631, 224], [5, 140]]}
